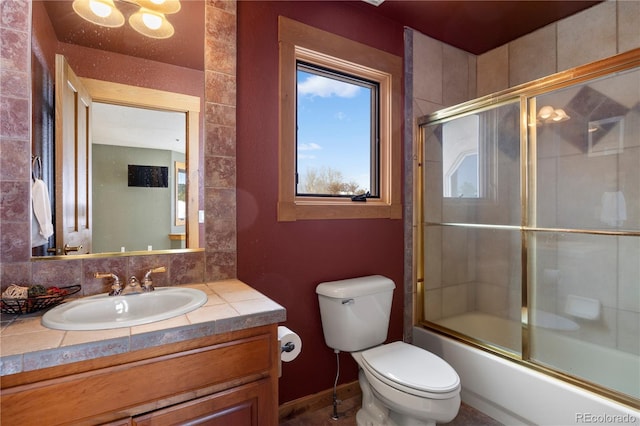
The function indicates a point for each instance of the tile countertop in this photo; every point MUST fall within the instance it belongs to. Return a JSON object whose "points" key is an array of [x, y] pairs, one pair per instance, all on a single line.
{"points": [[26, 345]]}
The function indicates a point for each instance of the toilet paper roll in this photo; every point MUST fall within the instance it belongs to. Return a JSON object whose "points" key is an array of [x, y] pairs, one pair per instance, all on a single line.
{"points": [[286, 338]]}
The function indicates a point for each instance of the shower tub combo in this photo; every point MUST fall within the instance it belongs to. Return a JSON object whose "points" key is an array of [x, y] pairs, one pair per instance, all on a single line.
{"points": [[529, 245]]}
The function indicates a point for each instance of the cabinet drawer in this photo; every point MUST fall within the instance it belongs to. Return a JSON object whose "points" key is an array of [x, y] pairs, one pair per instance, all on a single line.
{"points": [[247, 405], [85, 395]]}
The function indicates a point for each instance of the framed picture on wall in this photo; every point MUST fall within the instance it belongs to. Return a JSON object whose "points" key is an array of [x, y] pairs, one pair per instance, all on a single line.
{"points": [[606, 136]]}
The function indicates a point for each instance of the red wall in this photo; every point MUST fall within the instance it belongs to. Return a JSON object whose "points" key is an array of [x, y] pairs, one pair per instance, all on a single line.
{"points": [[286, 260]]}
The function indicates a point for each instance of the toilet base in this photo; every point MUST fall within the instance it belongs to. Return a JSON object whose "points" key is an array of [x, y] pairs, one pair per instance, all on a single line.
{"points": [[380, 410], [372, 413], [363, 418]]}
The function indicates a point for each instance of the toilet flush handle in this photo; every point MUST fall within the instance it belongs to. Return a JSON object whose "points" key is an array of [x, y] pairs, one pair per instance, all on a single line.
{"points": [[348, 301]]}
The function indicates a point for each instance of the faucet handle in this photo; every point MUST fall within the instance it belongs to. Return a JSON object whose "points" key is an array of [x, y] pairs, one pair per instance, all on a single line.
{"points": [[116, 287], [147, 283], [154, 270]]}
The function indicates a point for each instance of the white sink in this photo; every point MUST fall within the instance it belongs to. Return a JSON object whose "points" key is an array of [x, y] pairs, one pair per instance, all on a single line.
{"points": [[105, 312]]}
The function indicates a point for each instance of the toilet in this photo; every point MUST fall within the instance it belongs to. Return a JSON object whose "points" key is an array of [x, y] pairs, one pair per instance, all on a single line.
{"points": [[401, 384]]}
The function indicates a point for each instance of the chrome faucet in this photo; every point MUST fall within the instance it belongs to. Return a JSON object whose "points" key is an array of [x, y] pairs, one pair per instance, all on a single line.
{"points": [[116, 287], [147, 284], [132, 287]]}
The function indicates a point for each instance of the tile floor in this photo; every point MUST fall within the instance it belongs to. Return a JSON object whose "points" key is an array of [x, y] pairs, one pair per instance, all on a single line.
{"points": [[467, 416]]}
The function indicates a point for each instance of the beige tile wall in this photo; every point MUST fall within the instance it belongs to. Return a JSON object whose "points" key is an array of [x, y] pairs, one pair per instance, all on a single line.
{"points": [[596, 33], [444, 76]]}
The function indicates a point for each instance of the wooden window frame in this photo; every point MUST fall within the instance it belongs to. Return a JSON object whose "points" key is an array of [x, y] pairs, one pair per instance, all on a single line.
{"points": [[301, 42]]}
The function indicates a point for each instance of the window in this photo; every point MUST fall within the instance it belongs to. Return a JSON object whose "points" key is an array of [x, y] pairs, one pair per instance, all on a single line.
{"points": [[337, 134], [460, 148], [474, 153], [340, 127]]}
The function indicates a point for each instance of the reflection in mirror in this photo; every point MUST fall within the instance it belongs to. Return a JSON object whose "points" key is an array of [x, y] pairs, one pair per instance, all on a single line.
{"points": [[128, 139], [121, 55], [606, 136], [460, 150], [181, 193], [476, 152]]}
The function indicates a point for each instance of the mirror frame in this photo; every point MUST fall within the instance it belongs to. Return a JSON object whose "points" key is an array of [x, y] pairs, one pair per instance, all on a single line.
{"points": [[142, 97]]}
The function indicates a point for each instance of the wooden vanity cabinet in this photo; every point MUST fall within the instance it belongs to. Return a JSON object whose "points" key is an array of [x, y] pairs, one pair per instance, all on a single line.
{"points": [[237, 406], [228, 379]]}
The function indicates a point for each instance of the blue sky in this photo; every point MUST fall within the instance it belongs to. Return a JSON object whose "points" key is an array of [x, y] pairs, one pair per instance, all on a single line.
{"points": [[333, 127]]}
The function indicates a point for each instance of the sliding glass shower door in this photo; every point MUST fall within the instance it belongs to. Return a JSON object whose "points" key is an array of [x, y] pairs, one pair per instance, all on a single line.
{"points": [[531, 225], [584, 244], [472, 215]]}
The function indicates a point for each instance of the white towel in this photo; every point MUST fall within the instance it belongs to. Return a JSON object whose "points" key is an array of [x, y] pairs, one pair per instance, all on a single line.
{"points": [[614, 208], [41, 225]]}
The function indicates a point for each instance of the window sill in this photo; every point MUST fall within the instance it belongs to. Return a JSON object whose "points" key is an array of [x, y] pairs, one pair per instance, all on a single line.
{"points": [[321, 208]]}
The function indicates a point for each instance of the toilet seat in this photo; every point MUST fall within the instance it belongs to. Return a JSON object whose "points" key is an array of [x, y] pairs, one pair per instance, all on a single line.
{"points": [[412, 369]]}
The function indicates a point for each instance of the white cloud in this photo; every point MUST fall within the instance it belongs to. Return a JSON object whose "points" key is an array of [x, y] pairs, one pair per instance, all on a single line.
{"points": [[326, 87], [306, 157], [309, 147], [340, 115]]}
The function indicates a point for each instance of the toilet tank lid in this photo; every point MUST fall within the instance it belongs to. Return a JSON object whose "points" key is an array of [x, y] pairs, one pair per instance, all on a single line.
{"points": [[354, 287]]}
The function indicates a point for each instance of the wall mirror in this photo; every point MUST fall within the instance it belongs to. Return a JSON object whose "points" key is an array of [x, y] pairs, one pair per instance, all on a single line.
{"points": [[126, 75]]}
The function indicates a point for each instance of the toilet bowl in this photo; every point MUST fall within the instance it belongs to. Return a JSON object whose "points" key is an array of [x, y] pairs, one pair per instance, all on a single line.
{"points": [[415, 386], [402, 385]]}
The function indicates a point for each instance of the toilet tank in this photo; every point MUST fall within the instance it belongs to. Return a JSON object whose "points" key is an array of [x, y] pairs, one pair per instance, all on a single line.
{"points": [[355, 312]]}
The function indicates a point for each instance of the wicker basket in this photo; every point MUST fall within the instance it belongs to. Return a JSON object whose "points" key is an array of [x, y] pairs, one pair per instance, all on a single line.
{"points": [[34, 304]]}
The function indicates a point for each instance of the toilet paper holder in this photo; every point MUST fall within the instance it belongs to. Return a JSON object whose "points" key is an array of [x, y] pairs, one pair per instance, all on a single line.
{"points": [[287, 347], [290, 344]]}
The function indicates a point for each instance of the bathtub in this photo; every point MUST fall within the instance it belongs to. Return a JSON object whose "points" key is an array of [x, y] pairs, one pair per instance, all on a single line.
{"points": [[514, 394]]}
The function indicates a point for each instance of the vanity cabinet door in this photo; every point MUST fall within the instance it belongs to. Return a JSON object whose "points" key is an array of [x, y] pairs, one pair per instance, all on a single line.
{"points": [[140, 385], [247, 405]]}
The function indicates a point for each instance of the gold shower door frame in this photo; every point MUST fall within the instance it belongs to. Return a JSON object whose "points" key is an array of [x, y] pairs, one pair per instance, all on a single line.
{"points": [[526, 95]]}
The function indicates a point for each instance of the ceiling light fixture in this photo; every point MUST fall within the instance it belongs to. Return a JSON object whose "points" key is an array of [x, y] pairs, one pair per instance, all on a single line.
{"points": [[549, 114], [99, 12], [374, 2], [151, 24], [162, 6], [149, 20]]}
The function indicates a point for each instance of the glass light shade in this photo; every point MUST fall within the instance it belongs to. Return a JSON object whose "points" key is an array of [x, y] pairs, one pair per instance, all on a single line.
{"points": [[151, 24], [99, 12], [161, 6], [101, 9], [545, 112], [560, 115]]}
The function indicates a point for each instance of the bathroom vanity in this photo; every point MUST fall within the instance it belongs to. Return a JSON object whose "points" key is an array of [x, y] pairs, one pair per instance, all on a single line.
{"points": [[220, 366]]}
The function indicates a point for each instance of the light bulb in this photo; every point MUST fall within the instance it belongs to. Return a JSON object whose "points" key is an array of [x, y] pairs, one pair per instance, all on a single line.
{"points": [[151, 24], [99, 12], [99, 8], [545, 112], [152, 21], [560, 115], [160, 6]]}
